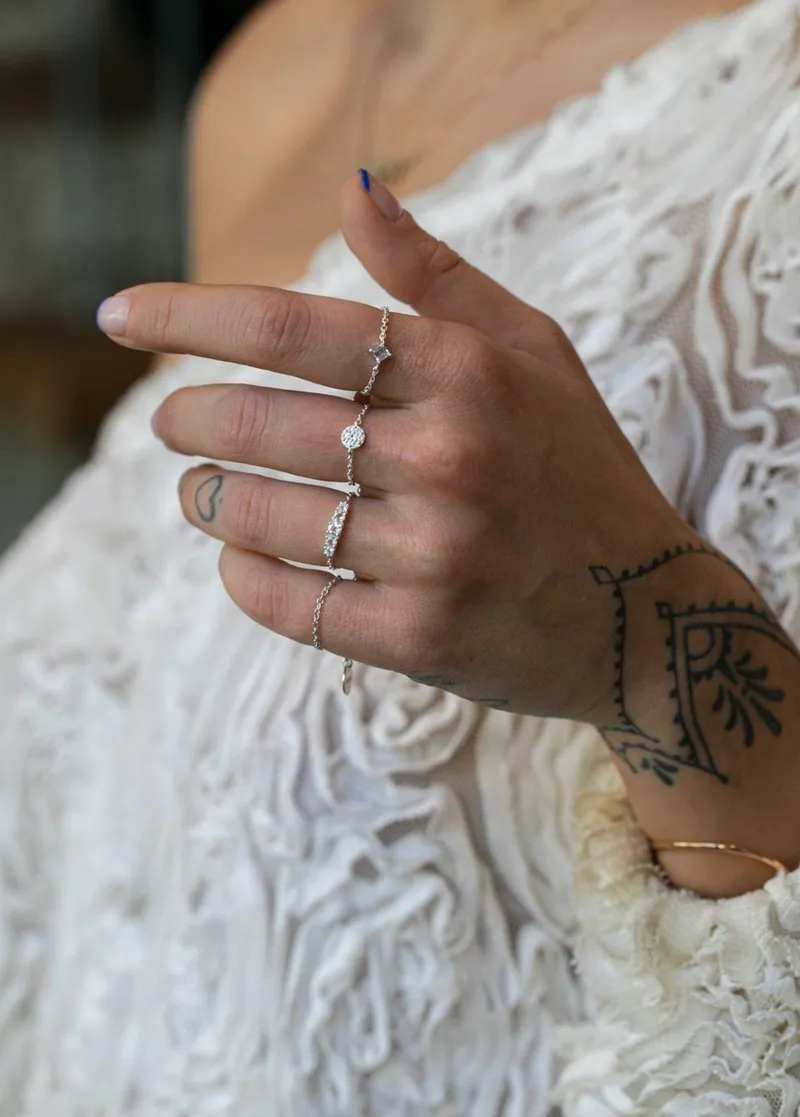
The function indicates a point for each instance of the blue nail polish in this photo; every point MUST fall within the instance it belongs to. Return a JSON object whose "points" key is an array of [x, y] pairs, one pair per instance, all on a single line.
{"points": [[365, 180]]}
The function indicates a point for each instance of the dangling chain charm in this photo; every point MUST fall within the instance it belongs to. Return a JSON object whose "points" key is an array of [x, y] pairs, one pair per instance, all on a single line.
{"points": [[353, 438]]}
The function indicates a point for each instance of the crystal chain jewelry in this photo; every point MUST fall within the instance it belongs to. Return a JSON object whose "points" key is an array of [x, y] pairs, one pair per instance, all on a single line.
{"points": [[318, 610], [353, 438], [335, 528]]}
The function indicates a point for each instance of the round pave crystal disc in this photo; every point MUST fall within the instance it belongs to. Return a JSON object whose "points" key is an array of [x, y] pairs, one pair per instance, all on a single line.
{"points": [[353, 437]]}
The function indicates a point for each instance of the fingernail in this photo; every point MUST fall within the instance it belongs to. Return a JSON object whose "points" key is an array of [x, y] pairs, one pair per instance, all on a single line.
{"points": [[112, 315], [383, 198]]}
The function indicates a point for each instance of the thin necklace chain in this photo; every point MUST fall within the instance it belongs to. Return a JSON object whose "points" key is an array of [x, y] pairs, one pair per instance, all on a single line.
{"points": [[394, 171]]}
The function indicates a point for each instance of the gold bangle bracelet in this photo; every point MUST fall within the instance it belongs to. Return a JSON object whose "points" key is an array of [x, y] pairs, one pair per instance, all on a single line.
{"points": [[720, 847]]}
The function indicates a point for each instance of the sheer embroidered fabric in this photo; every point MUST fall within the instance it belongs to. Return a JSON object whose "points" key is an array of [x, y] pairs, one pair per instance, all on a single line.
{"points": [[226, 889]]}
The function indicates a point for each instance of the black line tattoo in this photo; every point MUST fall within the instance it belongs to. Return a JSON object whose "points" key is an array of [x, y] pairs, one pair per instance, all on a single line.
{"points": [[207, 498], [715, 675], [452, 687], [493, 703], [438, 681]]}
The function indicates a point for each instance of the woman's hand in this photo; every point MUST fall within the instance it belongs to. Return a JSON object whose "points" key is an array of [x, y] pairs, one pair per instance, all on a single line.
{"points": [[509, 544], [496, 485]]}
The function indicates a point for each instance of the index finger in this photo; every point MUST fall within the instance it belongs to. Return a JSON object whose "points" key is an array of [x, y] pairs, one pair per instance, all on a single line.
{"points": [[319, 339]]}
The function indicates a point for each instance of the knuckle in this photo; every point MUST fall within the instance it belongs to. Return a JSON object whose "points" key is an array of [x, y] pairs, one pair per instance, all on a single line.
{"points": [[549, 327], [445, 558], [242, 419], [161, 319], [440, 259], [554, 337], [434, 262], [250, 512], [279, 327], [446, 462]]}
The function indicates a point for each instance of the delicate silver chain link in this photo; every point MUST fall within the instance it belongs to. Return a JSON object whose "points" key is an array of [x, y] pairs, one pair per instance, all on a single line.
{"points": [[379, 353], [318, 610], [366, 391], [376, 368]]}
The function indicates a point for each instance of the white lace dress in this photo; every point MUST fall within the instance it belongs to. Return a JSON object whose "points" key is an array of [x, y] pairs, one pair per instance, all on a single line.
{"points": [[226, 890]]}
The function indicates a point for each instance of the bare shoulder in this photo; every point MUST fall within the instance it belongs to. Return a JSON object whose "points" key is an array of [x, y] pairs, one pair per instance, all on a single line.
{"points": [[263, 97]]}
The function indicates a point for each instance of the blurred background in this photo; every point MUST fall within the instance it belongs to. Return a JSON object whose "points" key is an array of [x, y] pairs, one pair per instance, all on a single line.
{"points": [[93, 96]]}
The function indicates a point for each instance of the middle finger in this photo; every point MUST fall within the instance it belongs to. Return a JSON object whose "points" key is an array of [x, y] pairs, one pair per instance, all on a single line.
{"points": [[289, 432]]}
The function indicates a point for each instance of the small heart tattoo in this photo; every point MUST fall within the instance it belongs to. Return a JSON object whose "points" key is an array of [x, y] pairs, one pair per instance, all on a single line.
{"points": [[207, 498]]}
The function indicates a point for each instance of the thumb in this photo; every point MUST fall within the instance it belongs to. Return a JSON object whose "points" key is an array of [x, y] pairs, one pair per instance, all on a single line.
{"points": [[421, 271]]}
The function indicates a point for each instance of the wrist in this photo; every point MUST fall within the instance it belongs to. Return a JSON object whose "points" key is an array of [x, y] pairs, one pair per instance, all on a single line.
{"points": [[717, 874], [705, 724]]}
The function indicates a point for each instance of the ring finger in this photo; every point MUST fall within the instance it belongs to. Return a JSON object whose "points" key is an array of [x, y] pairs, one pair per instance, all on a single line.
{"points": [[289, 520]]}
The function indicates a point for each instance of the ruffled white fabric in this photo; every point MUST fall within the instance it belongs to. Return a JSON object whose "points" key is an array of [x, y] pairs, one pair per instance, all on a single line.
{"points": [[227, 890], [695, 1004]]}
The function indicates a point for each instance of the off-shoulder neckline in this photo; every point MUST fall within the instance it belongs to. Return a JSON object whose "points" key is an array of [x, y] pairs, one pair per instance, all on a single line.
{"points": [[513, 148]]}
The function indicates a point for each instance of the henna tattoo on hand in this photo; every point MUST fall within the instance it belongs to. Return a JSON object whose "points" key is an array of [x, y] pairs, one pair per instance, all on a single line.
{"points": [[720, 688], [208, 497]]}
